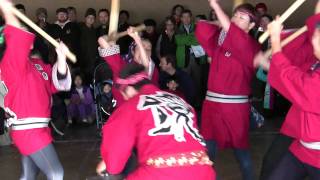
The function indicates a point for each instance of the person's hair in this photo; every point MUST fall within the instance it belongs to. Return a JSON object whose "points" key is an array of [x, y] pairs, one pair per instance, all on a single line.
{"points": [[90, 11], [125, 12], [202, 17], [261, 5], [170, 59], [76, 74], [170, 18], [71, 8], [210, 15], [186, 11], [247, 7], [59, 10], [267, 16], [132, 69], [41, 10], [150, 22], [176, 7], [20, 6], [104, 10]]}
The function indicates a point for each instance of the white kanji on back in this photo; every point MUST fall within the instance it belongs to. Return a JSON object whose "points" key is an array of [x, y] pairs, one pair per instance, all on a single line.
{"points": [[171, 114]]}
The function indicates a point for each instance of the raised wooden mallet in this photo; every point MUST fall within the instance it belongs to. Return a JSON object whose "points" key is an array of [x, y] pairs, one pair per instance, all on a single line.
{"points": [[283, 17]]}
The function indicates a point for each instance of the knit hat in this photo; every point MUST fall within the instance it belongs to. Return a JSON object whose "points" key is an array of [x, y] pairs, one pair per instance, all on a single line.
{"points": [[90, 11]]}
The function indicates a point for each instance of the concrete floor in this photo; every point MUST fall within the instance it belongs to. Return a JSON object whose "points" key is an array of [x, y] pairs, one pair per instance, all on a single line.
{"points": [[79, 154]]}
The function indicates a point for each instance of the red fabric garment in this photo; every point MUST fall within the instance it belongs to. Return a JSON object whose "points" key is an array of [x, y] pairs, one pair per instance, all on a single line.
{"points": [[303, 120], [150, 122], [231, 72], [30, 89], [116, 63]]}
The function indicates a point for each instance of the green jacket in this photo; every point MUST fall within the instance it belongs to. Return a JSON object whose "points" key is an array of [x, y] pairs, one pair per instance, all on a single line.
{"points": [[184, 41]]}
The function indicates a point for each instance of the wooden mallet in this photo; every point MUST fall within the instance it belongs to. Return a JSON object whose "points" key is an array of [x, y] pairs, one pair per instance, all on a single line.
{"points": [[288, 39], [283, 17], [114, 16], [26, 20]]}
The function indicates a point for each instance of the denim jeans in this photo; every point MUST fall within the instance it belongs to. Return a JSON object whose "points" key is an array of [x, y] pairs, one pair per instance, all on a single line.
{"points": [[242, 156]]}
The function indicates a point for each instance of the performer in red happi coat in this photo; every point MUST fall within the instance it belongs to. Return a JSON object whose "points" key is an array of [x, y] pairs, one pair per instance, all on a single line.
{"points": [[30, 85], [299, 85], [161, 126], [141, 55], [225, 113]]}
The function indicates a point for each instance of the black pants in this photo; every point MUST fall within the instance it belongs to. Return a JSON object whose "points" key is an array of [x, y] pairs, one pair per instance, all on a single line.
{"points": [[2, 117], [276, 151], [291, 168]]}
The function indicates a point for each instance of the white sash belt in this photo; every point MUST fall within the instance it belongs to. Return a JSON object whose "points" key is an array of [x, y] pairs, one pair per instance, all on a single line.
{"points": [[222, 98], [311, 145], [30, 123]]}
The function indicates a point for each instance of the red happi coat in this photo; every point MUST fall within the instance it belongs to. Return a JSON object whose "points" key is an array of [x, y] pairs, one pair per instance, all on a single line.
{"points": [[30, 85], [299, 82], [150, 122], [116, 63], [231, 72]]}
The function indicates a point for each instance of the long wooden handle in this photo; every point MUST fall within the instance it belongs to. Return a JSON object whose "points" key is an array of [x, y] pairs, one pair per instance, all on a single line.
{"points": [[139, 28], [114, 16], [115, 37], [283, 17], [26, 20], [288, 39]]}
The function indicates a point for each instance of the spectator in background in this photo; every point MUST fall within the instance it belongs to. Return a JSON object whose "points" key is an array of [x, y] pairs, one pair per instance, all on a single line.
{"points": [[151, 34], [166, 44], [21, 8], [200, 17], [176, 13], [68, 32], [124, 42], [189, 53], [81, 107], [169, 72], [103, 17], [261, 9], [212, 16], [40, 44], [88, 45], [72, 14]]}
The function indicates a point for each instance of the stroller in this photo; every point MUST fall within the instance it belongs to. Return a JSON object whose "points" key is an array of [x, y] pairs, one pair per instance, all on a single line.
{"points": [[104, 101]]}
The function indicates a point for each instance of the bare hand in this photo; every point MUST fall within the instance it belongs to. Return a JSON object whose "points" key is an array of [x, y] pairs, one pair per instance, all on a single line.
{"points": [[104, 43], [275, 28], [5, 5], [134, 34], [101, 167], [261, 60], [213, 3], [62, 50]]}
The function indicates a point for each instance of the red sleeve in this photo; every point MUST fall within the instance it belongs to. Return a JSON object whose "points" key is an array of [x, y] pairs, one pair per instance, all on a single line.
{"points": [[118, 140], [312, 24], [241, 45], [297, 86], [207, 36], [16, 56], [116, 63]]}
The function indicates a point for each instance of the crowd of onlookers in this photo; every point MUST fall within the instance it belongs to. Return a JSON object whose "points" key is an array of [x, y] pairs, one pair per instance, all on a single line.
{"points": [[175, 51]]}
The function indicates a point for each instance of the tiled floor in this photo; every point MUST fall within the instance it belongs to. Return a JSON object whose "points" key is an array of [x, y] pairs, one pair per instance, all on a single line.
{"points": [[79, 154]]}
